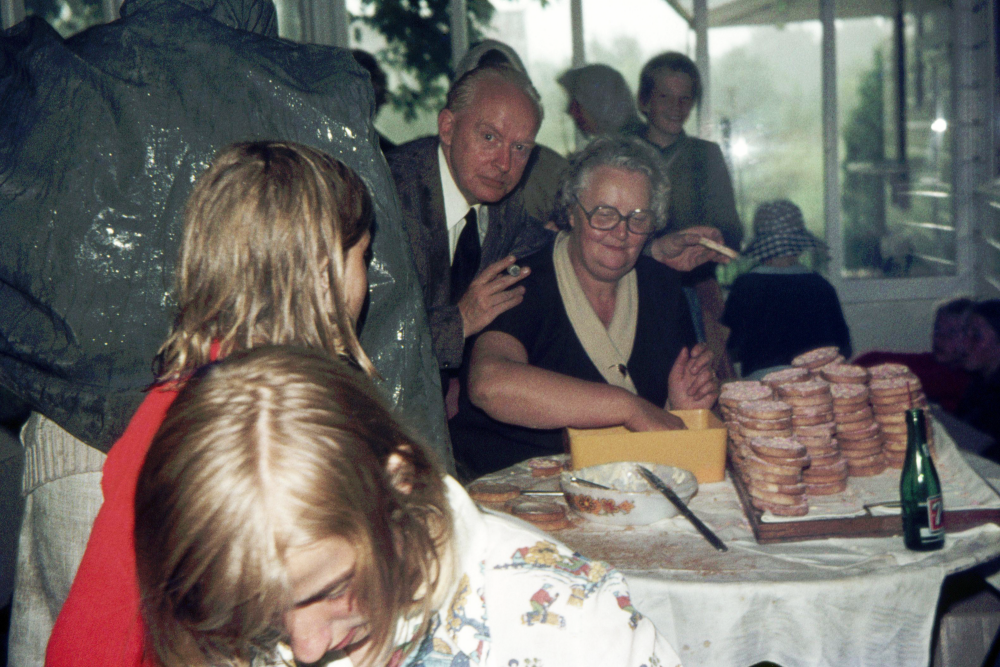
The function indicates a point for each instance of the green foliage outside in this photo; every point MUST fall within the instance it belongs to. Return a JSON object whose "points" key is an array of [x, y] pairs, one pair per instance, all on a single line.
{"points": [[419, 47], [863, 192]]}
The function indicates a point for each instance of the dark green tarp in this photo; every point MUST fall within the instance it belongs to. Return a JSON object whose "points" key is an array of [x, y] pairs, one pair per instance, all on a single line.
{"points": [[101, 138]]}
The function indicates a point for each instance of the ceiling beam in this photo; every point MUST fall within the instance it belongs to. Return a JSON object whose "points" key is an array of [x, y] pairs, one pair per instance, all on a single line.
{"points": [[779, 12], [681, 11]]}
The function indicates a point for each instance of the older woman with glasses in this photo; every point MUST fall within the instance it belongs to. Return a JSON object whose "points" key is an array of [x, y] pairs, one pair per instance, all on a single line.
{"points": [[603, 337]]}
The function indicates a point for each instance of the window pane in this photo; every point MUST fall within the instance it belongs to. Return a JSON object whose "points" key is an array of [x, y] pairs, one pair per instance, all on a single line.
{"points": [[766, 98], [541, 36], [290, 19], [896, 206], [612, 36], [540, 33], [988, 259]]}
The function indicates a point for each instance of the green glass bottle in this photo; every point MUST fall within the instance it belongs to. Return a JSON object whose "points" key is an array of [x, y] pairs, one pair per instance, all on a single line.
{"points": [[920, 490]]}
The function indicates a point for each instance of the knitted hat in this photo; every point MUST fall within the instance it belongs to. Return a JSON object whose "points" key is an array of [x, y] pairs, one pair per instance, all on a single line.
{"points": [[779, 230], [602, 92]]}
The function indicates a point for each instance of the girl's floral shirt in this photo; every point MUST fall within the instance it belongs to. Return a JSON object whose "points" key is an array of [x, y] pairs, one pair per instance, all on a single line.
{"points": [[522, 599]]}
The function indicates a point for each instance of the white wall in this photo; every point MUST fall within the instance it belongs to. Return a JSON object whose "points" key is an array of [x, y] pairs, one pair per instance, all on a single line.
{"points": [[897, 326]]}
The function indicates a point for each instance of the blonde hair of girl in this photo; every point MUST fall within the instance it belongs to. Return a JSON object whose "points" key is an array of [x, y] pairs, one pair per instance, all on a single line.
{"points": [[266, 231], [272, 449]]}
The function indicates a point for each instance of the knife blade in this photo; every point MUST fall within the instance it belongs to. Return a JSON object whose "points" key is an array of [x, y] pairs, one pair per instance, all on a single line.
{"points": [[705, 531]]}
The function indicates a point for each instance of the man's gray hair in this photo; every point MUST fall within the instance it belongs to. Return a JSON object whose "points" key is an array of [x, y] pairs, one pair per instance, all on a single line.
{"points": [[463, 91], [628, 153]]}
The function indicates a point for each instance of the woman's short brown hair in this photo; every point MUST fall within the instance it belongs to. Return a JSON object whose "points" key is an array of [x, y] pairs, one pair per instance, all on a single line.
{"points": [[266, 230], [269, 449]]}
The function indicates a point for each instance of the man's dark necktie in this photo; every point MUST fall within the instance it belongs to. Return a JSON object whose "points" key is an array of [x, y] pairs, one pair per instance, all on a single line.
{"points": [[465, 264]]}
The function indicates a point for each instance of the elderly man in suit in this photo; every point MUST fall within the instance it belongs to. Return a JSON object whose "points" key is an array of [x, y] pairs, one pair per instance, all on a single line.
{"points": [[469, 173]]}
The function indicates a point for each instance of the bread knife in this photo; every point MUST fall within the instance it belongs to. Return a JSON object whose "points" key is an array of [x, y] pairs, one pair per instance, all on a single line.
{"points": [[705, 531]]}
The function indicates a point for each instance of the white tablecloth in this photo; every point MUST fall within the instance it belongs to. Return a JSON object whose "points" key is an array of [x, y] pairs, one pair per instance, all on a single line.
{"points": [[845, 601]]}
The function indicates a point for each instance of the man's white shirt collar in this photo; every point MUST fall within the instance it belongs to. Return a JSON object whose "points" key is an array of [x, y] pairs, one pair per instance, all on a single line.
{"points": [[456, 207]]}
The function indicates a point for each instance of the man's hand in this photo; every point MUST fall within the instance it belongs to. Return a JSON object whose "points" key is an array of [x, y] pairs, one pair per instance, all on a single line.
{"points": [[692, 384], [490, 293], [682, 250]]}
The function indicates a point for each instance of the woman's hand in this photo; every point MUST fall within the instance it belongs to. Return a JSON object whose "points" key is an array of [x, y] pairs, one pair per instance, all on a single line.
{"points": [[692, 384], [504, 385], [647, 417], [682, 250]]}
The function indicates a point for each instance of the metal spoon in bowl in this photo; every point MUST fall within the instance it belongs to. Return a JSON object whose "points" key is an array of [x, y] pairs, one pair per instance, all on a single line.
{"points": [[587, 482]]}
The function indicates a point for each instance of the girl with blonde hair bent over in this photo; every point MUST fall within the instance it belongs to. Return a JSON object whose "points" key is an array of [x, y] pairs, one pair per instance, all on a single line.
{"points": [[273, 253], [283, 513]]}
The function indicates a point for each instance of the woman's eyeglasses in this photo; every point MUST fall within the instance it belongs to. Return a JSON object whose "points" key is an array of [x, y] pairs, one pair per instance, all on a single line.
{"points": [[606, 218]]}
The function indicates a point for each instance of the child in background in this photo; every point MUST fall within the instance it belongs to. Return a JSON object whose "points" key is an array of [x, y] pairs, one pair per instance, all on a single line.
{"points": [[980, 406], [941, 370], [781, 309], [273, 253], [281, 504]]}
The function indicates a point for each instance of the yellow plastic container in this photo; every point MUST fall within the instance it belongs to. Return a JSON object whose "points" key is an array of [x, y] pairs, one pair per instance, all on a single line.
{"points": [[700, 449]]}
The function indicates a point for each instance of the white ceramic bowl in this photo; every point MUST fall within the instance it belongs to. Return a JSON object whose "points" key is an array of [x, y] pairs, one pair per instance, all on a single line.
{"points": [[630, 501]]}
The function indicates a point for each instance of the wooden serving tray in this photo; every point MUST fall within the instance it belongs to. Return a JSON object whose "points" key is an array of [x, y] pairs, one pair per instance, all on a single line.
{"points": [[862, 526]]}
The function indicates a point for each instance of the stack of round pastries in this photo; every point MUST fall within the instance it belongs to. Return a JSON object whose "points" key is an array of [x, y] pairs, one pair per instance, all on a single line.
{"points": [[741, 391], [785, 376], [815, 360], [773, 474], [841, 373], [858, 432], [802, 431], [894, 390], [814, 427], [770, 461], [734, 394]]}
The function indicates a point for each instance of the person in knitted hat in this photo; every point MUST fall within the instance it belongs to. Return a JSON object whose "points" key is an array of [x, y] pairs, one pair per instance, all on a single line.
{"points": [[600, 101], [781, 309]]}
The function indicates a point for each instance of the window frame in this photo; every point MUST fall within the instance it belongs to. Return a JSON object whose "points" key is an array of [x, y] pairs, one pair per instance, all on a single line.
{"points": [[866, 290]]}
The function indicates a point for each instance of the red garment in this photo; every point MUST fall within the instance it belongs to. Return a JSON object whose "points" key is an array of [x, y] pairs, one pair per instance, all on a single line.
{"points": [[100, 623], [944, 386]]}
